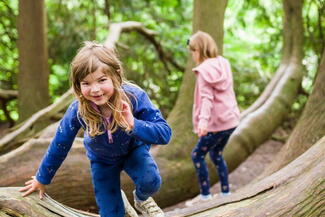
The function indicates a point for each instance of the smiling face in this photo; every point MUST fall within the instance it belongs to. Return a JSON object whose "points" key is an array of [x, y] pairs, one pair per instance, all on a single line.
{"points": [[97, 87]]}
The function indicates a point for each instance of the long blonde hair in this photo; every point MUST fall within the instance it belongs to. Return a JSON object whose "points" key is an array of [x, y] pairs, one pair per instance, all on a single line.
{"points": [[89, 58], [204, 44]]}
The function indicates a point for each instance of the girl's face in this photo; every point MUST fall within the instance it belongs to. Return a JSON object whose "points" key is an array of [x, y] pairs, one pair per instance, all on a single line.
{"points": [[97, 87], [195, 56]]}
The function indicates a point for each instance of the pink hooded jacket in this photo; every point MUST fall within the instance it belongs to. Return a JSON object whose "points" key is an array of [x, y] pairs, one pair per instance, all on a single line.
{"points": [[214, 98]]}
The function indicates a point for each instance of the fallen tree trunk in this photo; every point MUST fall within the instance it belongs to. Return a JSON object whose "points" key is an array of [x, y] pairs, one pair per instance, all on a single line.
{"points": [[73, 176], [25, 131], [295, 190], [12, 204]]}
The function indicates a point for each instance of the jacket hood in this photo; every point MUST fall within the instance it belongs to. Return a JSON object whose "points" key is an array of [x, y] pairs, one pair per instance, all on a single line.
{"points": [[215, 71]]}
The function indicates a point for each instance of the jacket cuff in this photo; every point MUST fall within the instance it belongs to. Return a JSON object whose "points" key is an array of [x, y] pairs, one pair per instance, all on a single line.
{"points": [[136, 127], [42, 180]]}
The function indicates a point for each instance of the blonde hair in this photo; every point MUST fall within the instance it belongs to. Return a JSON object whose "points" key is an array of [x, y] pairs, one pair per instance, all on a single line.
{"points": [[89, 58], [204, 44]]}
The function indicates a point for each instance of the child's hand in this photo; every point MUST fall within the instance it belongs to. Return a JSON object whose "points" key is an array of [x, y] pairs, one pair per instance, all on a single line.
{"points": [[202, 129], [127, 114], [31, 186]]}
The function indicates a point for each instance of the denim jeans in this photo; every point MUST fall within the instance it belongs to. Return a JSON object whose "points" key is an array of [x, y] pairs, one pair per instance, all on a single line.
{"points": [[214, 143], [142, 169]]}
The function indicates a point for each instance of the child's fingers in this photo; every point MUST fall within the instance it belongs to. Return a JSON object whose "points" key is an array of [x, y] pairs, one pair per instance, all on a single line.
{"points": [[25, 188], [31, 190], [29, 182], [41, 193]]}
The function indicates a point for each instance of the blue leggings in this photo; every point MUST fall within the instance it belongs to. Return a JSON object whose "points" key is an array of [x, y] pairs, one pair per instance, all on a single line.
{"points": [[213, 143], [142, 169]]}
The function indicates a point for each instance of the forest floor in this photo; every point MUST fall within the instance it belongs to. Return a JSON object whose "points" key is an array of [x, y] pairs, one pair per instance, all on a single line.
{"points": [[251, 168]]}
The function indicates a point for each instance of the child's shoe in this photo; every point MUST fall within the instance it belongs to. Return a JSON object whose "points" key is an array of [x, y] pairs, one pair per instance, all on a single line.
{"points": [[198, 199], [148, 208], [129, 210], [222, 194]]}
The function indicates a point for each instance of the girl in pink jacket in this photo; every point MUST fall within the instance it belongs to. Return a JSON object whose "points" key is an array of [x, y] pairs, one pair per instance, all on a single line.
{"points": [[215, 111]]}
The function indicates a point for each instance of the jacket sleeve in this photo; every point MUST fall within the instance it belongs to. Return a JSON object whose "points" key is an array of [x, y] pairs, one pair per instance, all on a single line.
{"points": [[149, 125], [60, 145], [206, 93]]}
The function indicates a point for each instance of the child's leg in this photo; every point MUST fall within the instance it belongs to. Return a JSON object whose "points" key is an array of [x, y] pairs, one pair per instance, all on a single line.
{"points": [[198, 158], [143, 170], [106, 181], [221, 139]]}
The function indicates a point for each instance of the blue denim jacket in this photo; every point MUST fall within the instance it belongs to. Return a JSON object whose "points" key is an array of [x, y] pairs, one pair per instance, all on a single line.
{"points": [[149, 128]]}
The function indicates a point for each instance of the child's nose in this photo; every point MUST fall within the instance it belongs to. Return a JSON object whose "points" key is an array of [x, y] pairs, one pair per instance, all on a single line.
{"points": [[95, 88]]}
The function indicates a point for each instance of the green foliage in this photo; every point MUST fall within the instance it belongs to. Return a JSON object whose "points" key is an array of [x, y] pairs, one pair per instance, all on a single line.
{"points": [[8, 47], [252, 42], [8, 51]]}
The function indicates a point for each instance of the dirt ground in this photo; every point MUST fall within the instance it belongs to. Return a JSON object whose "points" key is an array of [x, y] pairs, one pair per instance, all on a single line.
{"points": [[247, 171]]}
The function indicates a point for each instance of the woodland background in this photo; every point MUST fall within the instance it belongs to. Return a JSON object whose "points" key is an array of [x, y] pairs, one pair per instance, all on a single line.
{"points": [[276, 49]]}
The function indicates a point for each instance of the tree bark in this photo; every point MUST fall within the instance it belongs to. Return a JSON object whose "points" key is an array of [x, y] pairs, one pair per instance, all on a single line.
{"points": [[73, 175], [12, 204], [310, 127], [33, 73]]}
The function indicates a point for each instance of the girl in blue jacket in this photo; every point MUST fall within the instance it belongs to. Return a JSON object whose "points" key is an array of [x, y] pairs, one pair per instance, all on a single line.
{"points": [[119, 123]]}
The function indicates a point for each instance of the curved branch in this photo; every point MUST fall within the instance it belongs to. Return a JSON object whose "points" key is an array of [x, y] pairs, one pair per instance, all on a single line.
{"points": [[116, 29], [8, 94], [7, 142]]}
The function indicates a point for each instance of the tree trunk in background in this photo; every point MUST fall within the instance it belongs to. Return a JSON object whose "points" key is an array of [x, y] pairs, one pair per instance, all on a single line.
{"points": [[259, 125], [310, 127], [174, 160], [33, 73]]}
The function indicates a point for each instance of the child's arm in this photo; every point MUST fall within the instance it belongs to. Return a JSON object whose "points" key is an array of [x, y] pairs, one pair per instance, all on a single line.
{"points": [[149, 125], [57, 150], [206, 92]]}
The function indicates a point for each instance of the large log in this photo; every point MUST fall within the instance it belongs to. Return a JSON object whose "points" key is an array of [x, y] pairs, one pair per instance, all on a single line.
{"points": [[12, 204], [295, 190], [73, 177]]}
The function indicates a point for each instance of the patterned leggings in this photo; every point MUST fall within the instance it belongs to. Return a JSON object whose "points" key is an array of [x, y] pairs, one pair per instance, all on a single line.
{"points": [[213, 143], [142, 169]]}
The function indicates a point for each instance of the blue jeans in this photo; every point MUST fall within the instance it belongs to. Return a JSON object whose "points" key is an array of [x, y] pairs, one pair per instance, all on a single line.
{"points": [[214, 143], [142, 169]]}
